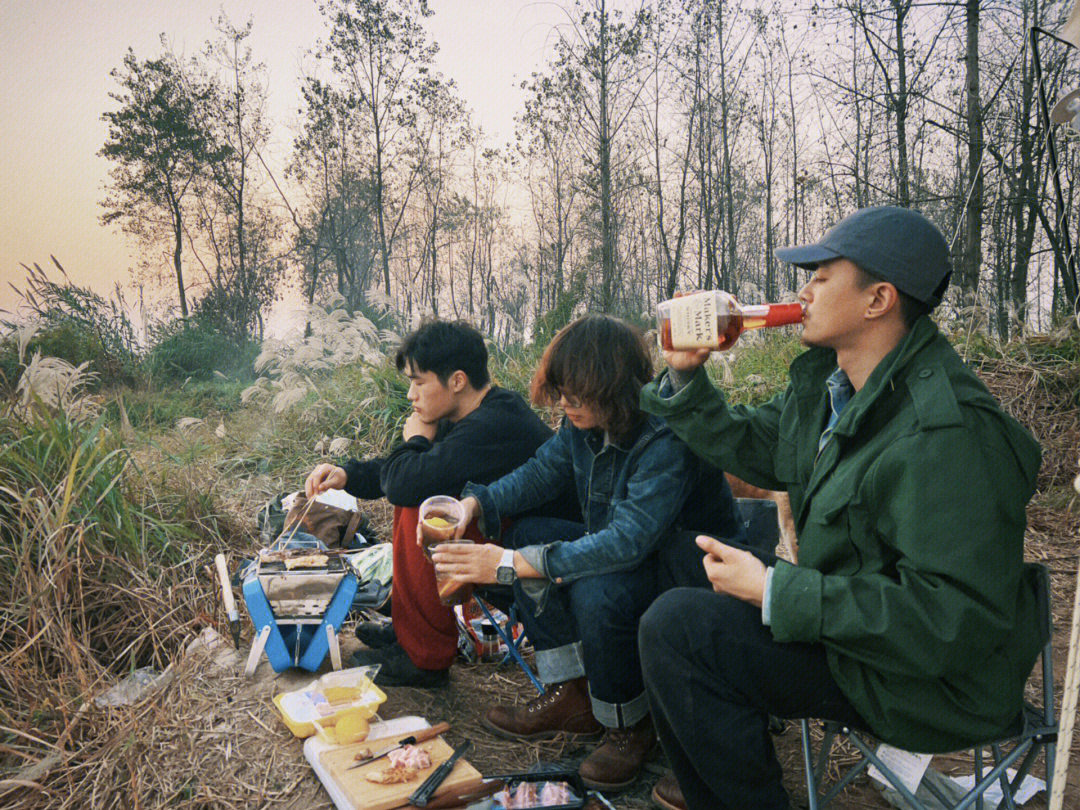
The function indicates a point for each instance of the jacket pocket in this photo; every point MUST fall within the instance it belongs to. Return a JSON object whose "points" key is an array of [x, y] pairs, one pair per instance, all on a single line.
{"points": [[826, 542]]}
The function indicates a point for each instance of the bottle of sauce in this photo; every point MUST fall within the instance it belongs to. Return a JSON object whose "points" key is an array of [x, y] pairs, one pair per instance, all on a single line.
{"points": [[714, 320]]}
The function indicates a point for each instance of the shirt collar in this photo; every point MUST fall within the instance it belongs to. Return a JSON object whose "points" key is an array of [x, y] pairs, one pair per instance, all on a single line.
{"points": [[840, 390]]}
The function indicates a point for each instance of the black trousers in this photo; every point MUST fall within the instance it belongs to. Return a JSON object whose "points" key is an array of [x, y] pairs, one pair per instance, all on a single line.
{"points": [[713, 675]]}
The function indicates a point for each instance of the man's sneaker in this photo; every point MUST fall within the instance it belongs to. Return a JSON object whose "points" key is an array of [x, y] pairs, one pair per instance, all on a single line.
{"points": [[397, 669], [615, 763], [667, 794], [563, 709], [376, 635]]}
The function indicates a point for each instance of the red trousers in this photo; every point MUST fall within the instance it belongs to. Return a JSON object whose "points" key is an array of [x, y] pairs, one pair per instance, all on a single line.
{"points": [[425, 627]]}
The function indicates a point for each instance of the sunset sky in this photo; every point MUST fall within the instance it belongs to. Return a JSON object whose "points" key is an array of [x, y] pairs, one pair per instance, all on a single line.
{"points": [[55, 58]]}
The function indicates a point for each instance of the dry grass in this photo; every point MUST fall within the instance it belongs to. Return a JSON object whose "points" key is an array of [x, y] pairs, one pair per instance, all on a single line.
{"points": [[332, 338], [1045, 401]]}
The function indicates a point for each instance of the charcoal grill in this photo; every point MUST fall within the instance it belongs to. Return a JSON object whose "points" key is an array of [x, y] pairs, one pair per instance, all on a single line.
{"points": [[302, 594], [297, 612]]}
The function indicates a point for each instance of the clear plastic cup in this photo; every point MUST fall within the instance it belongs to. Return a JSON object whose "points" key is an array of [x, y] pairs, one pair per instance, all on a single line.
{"points": [[452, 592], [440, 516]]}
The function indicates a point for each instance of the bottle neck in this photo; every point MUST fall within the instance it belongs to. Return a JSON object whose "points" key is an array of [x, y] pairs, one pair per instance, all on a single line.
{"points": [[755, 311], [756, 316]]}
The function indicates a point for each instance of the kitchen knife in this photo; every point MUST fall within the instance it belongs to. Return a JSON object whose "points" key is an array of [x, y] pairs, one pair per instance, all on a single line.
{"points": [[431, 784], [420, 736]]}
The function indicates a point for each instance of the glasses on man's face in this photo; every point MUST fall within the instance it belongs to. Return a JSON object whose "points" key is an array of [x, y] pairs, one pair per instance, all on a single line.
{"points": [[569, 400]]}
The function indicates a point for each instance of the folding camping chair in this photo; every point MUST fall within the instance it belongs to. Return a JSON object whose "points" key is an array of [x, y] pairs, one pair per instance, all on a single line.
{"points": [[759, 520], [505, 632], [1034, 731]]}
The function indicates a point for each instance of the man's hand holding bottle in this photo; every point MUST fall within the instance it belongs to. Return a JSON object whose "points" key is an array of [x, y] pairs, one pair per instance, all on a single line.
{"points": [[686, 360]]}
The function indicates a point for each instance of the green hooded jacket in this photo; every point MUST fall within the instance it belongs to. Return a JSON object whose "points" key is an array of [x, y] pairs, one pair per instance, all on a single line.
{"points": [[911, 532]]}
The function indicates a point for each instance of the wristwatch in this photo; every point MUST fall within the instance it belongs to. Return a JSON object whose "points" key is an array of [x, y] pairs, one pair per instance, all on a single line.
{"points": [[505, 574]]}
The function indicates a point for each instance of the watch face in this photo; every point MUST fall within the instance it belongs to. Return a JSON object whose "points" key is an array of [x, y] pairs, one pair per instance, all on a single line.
{"points": [[504, 575]]}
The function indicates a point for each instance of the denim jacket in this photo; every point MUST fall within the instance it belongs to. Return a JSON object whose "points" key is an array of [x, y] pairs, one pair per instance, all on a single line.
{"points": [[630, 494]]}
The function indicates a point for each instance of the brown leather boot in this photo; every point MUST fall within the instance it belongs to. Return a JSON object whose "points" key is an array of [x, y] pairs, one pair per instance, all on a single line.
{"points": [[563, 709], [667, 794], [615, 763]]}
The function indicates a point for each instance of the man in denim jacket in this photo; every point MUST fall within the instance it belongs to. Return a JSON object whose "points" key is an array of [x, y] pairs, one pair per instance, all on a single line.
{"points": [[583, 587]]}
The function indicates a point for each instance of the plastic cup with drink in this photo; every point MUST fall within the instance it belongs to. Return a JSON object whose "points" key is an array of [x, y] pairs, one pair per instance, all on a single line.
{"points": [[440, 516]]}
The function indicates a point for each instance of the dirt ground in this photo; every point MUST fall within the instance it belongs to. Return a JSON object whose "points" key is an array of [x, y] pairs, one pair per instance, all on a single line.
{"points": [[1052, 538], [245, 721], [213, 739], [233, 725]]}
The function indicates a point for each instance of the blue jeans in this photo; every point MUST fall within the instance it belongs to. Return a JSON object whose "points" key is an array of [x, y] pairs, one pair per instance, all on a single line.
{"points": [[588, 627]]}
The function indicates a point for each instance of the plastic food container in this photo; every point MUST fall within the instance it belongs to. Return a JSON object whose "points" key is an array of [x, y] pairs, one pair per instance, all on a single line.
{"points": [[514, 781], [439, 516], [326, 699]]}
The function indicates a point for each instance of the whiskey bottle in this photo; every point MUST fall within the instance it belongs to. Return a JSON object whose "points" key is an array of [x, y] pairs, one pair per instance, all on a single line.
{"points": [[714, 320]]}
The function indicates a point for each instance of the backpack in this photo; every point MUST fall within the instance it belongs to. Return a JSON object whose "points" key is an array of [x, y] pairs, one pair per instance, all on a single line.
{"points": [[335, 526]]}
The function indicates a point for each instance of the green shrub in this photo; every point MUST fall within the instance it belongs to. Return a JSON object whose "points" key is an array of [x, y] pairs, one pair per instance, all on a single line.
{"points": [[365, 404], [562, 312], [513, 367], [154, 407], [195, 348], [76, 325], [10, 368], [760, 368]]}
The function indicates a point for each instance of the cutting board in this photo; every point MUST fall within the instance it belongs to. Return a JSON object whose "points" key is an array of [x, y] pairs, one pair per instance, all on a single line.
{"points": [[365, 795]]}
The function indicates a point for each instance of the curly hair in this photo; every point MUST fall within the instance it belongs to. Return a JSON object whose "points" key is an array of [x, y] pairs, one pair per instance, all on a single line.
{"points": [[604, 362]]}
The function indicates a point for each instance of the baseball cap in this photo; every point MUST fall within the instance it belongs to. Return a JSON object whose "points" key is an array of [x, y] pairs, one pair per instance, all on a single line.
{"points": [[897, 245]]}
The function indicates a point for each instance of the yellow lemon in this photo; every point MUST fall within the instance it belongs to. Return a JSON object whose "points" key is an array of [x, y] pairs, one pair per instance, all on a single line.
{"points": [[438, 522], [351, 728]]}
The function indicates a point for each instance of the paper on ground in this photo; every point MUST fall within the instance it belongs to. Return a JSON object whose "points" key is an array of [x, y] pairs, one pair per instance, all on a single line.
{"points": [[339, 498], [908, 767], [334, 497], [1028, 788]]}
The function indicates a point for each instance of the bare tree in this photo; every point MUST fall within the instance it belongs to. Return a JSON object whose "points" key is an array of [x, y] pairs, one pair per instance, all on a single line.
{"points": [[337, 239], [440, 132], [658, 114], [767, 120], [239, 229], [380, 53], [903, 69], [597, 64], [551, 162], [972, 261]]}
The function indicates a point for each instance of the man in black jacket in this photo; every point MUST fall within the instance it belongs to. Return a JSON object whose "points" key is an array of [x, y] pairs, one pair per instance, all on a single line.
{"points": [[462, 429]]}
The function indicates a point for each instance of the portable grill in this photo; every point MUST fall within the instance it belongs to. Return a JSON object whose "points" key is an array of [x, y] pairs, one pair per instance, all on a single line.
{"points": [[302, 593], [297, 612]]}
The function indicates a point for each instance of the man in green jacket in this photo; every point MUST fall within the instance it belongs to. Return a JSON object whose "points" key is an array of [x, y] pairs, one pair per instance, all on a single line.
{"points": [[908, 612]]}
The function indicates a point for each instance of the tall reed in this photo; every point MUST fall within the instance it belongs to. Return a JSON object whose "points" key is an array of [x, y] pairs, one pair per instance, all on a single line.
{"points": [[92, 583]]}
